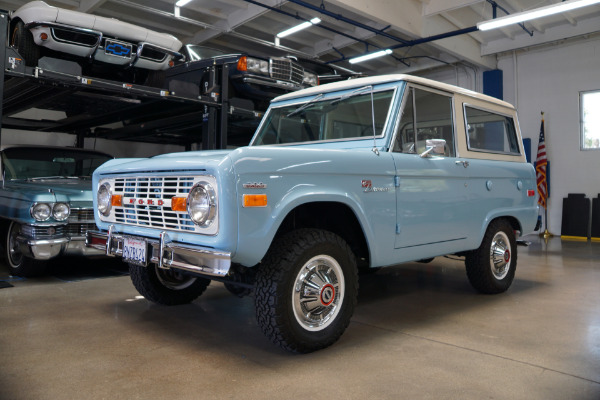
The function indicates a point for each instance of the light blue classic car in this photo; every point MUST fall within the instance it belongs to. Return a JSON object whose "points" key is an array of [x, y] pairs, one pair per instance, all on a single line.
{"points": [[45, 204], [366, 173]]}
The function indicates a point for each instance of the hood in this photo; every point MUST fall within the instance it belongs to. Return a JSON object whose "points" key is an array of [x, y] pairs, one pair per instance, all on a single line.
{"points": [[184, 161], [64, 190]]}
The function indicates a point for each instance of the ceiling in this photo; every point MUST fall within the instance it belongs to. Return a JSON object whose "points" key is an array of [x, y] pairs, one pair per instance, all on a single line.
{"points": [[350, 27]]}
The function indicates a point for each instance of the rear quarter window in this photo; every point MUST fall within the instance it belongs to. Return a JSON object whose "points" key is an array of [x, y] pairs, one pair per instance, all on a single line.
{"points": [[490, 132]]}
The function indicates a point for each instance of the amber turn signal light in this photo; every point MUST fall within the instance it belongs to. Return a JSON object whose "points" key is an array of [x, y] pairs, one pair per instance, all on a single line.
{"points": [[255, 200], [179, 204], [242, 64], [116, 200]]}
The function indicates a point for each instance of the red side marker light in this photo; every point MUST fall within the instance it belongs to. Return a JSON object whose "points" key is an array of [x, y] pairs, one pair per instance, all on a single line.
{"points": [[530, 193]]}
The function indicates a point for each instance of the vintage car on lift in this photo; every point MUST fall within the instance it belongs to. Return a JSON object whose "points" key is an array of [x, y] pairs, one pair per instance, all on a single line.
{"points": [[37, 29], [257, 79], [45, 204], [365, 173]]}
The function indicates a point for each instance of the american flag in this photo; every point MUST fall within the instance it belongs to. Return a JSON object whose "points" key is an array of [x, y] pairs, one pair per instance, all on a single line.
{"points": [[541, 164]]}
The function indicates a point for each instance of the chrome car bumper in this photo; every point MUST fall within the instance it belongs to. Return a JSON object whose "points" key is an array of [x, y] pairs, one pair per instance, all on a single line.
{"points": [[45, 249], [165, 253]]}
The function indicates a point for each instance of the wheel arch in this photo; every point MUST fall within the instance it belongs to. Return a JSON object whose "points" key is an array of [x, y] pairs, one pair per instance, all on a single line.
{"points": [[332, 216]]}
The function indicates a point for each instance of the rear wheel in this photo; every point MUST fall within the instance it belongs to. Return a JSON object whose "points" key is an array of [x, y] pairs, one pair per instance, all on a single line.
{"points": [[22, 41], [168, 287], [491, 268], [306, 290], [18, 264]]}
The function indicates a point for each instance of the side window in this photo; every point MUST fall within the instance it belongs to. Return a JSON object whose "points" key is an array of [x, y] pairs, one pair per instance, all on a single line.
{"points": [[490, 132], [429, 115]]}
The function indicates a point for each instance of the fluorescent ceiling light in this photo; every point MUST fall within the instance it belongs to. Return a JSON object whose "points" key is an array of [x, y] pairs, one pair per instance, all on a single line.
{"points": [[182, 3], [297, 28], [371, 56], [535, 13]]}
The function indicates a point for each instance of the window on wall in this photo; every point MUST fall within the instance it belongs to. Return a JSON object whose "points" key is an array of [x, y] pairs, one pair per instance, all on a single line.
{"points": [[590, 120]]}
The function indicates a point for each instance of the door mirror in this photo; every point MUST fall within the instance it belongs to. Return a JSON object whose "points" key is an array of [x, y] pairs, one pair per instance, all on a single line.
{"points": [[434, 146]]}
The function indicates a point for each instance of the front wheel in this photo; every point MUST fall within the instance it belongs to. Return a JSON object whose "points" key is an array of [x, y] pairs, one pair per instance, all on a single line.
{"points": [[167, 287], [22, 41], [306, 290], [491, 268], [18, 264]]}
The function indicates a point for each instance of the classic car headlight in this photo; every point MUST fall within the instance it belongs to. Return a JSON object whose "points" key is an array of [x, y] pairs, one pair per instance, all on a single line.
{"points": [[61, 211], [257, 66], [310, 79], [41, 211], [201, 204], [104, 199]]}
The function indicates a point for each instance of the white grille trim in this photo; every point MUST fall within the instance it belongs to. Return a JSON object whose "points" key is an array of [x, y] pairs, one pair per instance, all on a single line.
{"points": [[146, 202]]}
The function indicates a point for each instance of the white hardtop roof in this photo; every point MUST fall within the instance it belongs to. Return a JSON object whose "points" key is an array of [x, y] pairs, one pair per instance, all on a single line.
{"points": [[379, 79]]}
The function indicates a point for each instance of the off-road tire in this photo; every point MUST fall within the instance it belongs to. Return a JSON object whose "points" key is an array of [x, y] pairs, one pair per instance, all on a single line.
{"points": [[293, 260], [18, 264], [22, 41], [166, 287], [491, 268]]}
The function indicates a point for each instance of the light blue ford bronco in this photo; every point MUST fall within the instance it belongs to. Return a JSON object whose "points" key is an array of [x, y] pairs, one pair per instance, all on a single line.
{"points": [[365, 173]]}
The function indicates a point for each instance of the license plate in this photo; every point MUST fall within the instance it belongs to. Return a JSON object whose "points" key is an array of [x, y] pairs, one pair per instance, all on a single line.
{"points": [[134, 251], [118, 49]]}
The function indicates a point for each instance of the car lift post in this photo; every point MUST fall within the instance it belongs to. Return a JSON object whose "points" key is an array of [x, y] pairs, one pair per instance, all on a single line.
{"points": [[3, 42]]}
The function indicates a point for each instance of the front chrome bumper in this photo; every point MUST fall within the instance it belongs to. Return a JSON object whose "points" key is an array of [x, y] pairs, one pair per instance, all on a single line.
{"points": [[165, 253], [45, 249]]}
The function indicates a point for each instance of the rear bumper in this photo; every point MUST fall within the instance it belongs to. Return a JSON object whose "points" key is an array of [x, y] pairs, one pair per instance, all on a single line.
{"points": [[165, 253]]}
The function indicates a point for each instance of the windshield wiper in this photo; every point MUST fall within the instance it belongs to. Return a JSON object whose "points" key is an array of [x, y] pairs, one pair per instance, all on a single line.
{"points": [[304, 106], [351, 94]]}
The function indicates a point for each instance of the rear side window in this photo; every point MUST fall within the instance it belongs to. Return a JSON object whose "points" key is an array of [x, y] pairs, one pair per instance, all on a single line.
{"points": [[490, 132]]}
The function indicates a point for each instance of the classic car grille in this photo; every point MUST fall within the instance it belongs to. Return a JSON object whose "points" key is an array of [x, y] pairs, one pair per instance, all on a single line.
{"points": [[287, 70], [152, 54], [81, 215], [48, 232], [71, 36], [137, 210]]}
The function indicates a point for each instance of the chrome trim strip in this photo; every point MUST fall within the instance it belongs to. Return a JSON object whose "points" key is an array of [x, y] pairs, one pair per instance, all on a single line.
{"points": [[168, 254]]}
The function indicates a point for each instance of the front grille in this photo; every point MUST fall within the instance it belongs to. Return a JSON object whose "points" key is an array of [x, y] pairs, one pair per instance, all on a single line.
{"points": [[287, 70], [71, 36], [52, 232], [152, 54], [145, 198], [78, 229], [81, 215]]}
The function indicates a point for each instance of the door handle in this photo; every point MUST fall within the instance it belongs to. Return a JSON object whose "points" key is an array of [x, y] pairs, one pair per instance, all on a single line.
{"points": [[464, 163]]}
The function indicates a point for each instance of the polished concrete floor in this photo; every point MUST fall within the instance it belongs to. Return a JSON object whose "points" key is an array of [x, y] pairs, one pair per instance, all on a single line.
{"points": [[419, 332]]}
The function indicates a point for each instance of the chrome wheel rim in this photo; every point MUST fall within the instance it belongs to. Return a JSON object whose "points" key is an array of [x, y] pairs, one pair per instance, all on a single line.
{"points": [[500, 255], [174, 280], [15, 257], [318, 293]]}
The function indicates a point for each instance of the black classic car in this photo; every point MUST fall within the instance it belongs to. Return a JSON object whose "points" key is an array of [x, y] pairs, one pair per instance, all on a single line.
{"points": [[257, 79]]}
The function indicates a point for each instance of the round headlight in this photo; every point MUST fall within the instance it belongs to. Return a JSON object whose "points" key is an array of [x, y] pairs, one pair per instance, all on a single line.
{"points": [[201, 204], [104, 199], [61, 211], [41, 211]]}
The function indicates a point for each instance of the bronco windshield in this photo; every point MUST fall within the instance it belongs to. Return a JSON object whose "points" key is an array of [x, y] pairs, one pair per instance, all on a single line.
{"points": [[350, 116], [36, 162]]}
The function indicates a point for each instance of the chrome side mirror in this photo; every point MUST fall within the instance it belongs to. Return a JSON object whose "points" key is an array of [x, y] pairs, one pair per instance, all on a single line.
{"points": [[434, 146]]}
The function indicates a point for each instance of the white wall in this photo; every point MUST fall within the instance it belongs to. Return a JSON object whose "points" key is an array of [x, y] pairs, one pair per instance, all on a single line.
{"points": [[549, 78]]}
